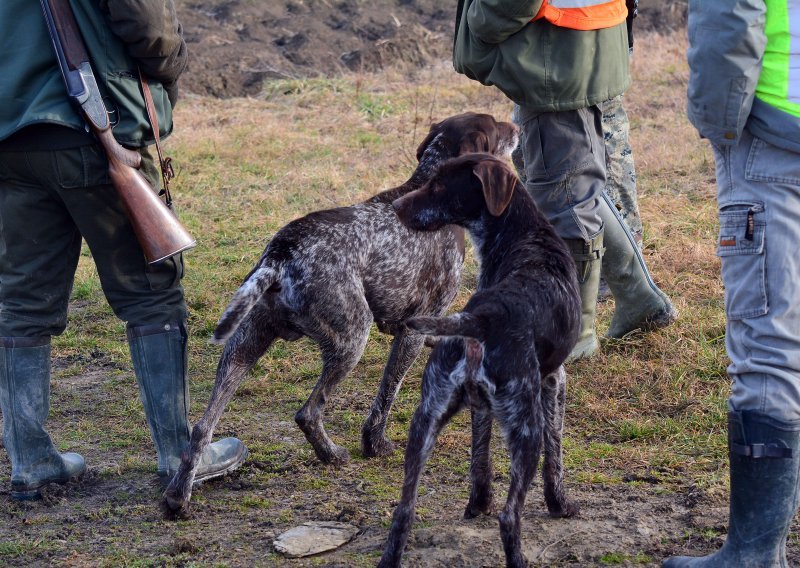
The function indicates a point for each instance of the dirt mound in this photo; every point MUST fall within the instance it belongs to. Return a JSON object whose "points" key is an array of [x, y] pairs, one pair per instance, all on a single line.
{"points": [[236, 45]]}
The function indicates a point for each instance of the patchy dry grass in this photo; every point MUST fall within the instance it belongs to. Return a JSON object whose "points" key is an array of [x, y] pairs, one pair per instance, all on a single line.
{"points": [[648, 410]]}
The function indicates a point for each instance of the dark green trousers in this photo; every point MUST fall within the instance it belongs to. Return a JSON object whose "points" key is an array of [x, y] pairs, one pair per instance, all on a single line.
{"points": [[48, 201]]}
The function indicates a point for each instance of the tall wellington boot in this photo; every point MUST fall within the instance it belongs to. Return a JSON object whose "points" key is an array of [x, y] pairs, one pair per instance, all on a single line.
{"points": [[25, 402], [639, 303], [765, 462], [159, 355], [588, 257]]}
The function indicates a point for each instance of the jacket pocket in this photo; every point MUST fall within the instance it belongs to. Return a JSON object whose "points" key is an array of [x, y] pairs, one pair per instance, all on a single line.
{"points": [[742, 249]]}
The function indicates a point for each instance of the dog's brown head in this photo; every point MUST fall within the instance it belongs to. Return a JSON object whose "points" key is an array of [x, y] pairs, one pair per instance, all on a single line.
{"points": [[472, 132], [460, 192]]}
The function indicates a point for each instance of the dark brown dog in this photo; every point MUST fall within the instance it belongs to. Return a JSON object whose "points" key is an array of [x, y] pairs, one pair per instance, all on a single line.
{"points": [[328, 276], [503, 354]]}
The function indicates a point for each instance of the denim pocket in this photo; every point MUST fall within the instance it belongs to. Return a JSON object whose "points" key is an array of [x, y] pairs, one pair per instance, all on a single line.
{"points": [[741, 248], [771, 164]]}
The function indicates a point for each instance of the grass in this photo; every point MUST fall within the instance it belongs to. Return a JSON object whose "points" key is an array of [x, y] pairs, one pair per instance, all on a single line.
{"points": [[650, 406]]}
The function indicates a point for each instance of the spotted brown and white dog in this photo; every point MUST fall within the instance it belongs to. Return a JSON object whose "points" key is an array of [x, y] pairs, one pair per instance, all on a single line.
{"points": [[328, 276], [503, 354]]}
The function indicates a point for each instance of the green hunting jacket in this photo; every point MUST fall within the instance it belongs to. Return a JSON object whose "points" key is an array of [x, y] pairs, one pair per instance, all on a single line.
{"points": [[121, 37], [538, 65]]}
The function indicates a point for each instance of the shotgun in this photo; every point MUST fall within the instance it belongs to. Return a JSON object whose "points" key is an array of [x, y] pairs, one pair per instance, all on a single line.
{"points": [[157, 229]]}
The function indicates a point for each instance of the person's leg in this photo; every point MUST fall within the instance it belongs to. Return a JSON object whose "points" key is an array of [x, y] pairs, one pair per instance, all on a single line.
{"points": [[758, 197], [139, 294], [620, 170], [620, 167], [159, 355], [149, 298], [638, 303], [620, 174], [564, 163], [564, 194], [39, 247]]}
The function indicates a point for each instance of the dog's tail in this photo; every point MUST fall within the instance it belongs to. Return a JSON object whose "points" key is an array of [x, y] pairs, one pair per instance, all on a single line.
{"points": [[246, 297], [461, 324]]}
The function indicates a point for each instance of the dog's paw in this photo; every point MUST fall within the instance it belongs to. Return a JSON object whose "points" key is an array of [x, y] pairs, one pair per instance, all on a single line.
{"points": [[480, 505], [377, 448], [174, 509], [564, 511], [333, 455]]}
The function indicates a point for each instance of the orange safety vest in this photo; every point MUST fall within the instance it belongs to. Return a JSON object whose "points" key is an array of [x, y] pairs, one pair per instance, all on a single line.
{"points": [[583, 14]]}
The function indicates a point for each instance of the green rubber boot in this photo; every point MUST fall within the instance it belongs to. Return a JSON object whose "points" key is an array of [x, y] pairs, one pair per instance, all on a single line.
{"points": [[159, 355], [639, 303], [25, 402], [588, 257], [765, 462]]}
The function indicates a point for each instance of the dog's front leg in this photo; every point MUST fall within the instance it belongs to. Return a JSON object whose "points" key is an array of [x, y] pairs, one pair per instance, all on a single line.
{"points": [[405, 349], [440, 401], [553, 406]]}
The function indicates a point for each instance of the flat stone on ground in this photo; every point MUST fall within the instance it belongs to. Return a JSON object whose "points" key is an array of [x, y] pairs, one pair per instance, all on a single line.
{"points": [[314, 537]]}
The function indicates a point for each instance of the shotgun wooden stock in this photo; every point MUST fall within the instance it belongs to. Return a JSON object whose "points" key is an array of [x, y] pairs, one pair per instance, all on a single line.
{"points": [[159, 232]]}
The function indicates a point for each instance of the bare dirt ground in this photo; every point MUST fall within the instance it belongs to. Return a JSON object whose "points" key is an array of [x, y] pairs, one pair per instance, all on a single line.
{"points": [[111, 517], [236, 45], [112, 513]]}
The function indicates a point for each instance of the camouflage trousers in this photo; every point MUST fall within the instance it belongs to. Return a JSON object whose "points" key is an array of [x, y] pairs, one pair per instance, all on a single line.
{"points": [[620, 170]]}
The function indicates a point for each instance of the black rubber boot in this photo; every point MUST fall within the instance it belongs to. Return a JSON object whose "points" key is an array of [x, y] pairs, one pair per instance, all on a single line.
{"points": [[588, 257], [159, 355], [765, 461], [25, 402], [638, 302]]}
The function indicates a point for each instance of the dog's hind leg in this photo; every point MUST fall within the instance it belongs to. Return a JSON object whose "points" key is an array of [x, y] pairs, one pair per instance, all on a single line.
{"points": [[480, 469], [405, 349], [250, 341], [440, 401], [554, 388], [340, 353], [517, 407]]}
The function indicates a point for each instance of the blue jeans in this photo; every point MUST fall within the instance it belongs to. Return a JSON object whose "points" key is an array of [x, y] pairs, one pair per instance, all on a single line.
{"points": [[758, 196], [565, 167]]}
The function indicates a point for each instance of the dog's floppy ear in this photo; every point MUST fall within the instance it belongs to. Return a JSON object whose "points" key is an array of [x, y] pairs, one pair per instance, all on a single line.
{"points": [[474, 142], [433, 133], [498, 183]]}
